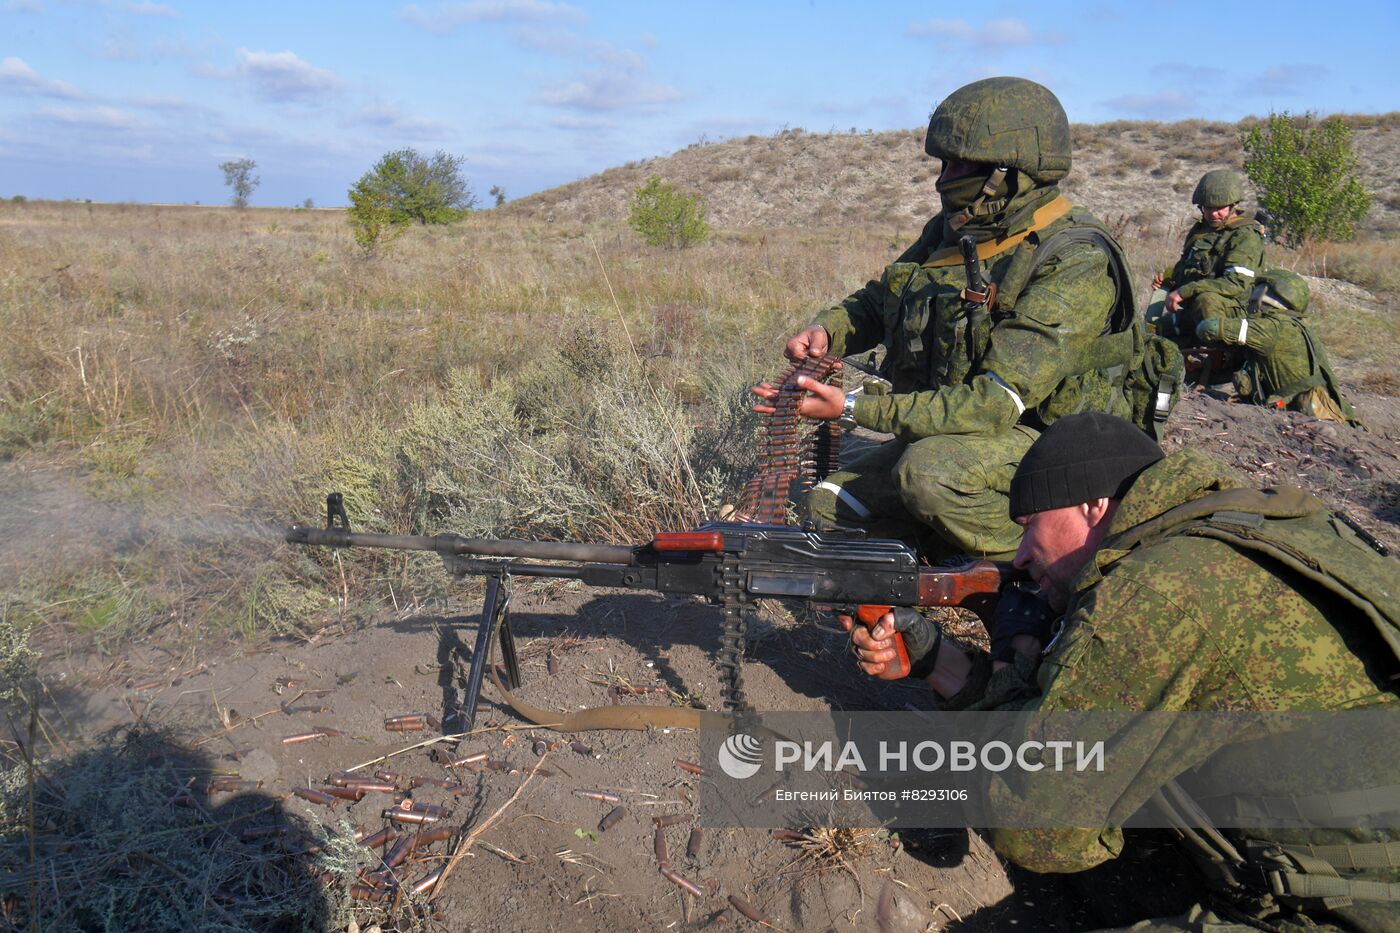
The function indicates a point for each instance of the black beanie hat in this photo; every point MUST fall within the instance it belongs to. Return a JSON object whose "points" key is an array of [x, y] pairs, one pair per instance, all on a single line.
{"points": [[1080, 458]]}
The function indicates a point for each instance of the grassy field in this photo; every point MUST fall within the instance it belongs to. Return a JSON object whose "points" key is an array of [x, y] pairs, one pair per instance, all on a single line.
{"points": [[181, 382]]}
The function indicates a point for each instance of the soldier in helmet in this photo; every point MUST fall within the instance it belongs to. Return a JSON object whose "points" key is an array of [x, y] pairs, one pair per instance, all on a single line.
{"points": [[1285, 364], [974, 373], [1223, 254]]}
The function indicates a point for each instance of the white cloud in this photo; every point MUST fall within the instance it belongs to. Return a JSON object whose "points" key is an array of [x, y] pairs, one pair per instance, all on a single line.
{"points": [[1164, 106], [997, 33], [386, 117], [567, 45], [609, 90], [100, 117], [1283, 79], [449, 17], [17, 77], [283, 76]]}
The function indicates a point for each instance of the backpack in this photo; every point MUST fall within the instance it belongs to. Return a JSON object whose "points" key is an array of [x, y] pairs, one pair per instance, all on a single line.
{"points": [[1295, 529], [1148, 370]]}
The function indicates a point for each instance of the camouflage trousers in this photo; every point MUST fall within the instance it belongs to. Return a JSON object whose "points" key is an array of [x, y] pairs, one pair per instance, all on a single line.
{"points": [[946, 494], [1183, 323]]}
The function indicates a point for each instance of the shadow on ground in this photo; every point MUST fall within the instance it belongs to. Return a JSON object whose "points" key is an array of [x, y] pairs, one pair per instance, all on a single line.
{"points": [[125, 835]]}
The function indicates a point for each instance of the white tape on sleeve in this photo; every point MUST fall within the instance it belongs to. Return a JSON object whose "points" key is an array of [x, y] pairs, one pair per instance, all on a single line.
{"points": [[1244, 329], [1242, 271], [1020, 405], [854, 504]]}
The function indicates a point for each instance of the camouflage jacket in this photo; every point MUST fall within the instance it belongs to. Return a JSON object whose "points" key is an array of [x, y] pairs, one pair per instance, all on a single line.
{"points": [[1222, 262], [1188, 624], [980, 373], [1285, 358]]}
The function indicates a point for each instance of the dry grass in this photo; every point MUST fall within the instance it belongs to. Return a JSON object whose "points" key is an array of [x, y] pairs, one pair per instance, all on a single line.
{"points": [[178, 383], [200, 377]]}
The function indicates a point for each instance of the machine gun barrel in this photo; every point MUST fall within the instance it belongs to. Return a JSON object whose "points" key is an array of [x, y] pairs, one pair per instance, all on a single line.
{"points": [[448, 545]]}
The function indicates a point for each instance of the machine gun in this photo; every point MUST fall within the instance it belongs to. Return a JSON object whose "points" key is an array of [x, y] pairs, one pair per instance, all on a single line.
{"points": [[731, 564]]}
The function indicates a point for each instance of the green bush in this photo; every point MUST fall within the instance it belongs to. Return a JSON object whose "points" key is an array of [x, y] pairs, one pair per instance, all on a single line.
{"points": [[373, 220], [1305, 174], [666, 216]]}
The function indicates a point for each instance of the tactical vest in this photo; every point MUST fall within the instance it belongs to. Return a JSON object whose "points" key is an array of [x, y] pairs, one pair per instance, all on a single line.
{"points": [[1206, 247], [1294, 529], [935, 338]]}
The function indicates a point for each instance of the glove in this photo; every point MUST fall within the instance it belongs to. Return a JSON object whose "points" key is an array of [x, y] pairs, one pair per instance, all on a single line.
{"points": [[922, 639], [1209, 330], [1020, 611]]}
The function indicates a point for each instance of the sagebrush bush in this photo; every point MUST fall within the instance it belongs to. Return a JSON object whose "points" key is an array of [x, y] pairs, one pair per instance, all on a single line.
{"points": [[666, 216], [1305, 175]]}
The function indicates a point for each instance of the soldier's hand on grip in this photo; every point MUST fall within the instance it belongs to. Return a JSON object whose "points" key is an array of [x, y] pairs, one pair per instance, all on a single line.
{"points": [[876, 648]]}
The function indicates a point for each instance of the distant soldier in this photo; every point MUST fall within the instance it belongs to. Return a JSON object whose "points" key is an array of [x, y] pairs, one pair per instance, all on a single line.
{"points": [[1223, 254], [977, 368], [1285, 364]]}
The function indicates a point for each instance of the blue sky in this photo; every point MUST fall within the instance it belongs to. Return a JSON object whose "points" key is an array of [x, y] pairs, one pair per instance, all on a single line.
{"points": [[140, 100]]}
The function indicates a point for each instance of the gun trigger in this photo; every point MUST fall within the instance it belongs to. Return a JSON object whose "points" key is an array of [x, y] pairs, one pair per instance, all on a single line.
{"points": [[335, 512]]}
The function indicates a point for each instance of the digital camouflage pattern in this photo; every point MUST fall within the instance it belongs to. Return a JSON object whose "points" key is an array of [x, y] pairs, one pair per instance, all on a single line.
{"points": [[1188, 623], [969, 389], [1218, 188], [1217, 270], [1286, 365], [1004, 121]]}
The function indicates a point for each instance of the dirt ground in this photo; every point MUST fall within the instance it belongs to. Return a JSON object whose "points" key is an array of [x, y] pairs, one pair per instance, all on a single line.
{"points": [[544, 863]]}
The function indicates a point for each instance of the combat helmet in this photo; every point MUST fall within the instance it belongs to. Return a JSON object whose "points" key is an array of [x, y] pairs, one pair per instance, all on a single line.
{"points": [[1009, 122], [1285, 290], [1218, 188]]}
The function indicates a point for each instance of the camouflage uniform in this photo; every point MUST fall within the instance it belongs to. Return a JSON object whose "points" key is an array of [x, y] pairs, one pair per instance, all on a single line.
{"points": [[971, 388], [1286, 365], [1199, 626], [1217, 269]]}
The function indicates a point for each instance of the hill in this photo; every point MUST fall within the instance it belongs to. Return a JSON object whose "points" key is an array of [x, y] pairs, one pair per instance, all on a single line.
{"points": [[1143, 172]]}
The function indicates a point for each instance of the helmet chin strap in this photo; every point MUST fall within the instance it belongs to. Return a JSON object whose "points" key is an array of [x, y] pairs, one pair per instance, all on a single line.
{"points": [[980, 207]]}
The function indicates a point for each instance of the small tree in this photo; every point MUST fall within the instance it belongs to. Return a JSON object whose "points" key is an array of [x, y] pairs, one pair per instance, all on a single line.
{"points": [[238, 175], [666, 216], [373, 220], [499, 194], [429, 190], [1305, 174]]}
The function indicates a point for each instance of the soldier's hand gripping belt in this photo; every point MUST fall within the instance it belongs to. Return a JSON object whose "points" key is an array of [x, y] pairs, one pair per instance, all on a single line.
{"points": [[1020, 611]]}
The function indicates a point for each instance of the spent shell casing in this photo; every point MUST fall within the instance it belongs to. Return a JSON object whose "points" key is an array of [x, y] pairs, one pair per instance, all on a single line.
{"points": [[303, 737], [391, 776], [383, 837], [539, 748], [425, 884], [551, 663], [601, 796], [472, 759], [609, 821], [748, 910], [383, 787], [363, 892], [409, 816], [341, 778], [441, 834], [689, 887], [658, 845], [315, 796], [581, 748], [327, 730], [692, 845], [232, 786], [413, 725], [689, 766], [787, 835], [353, 792], [406, 717], [670, 819], [400, 851]]}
